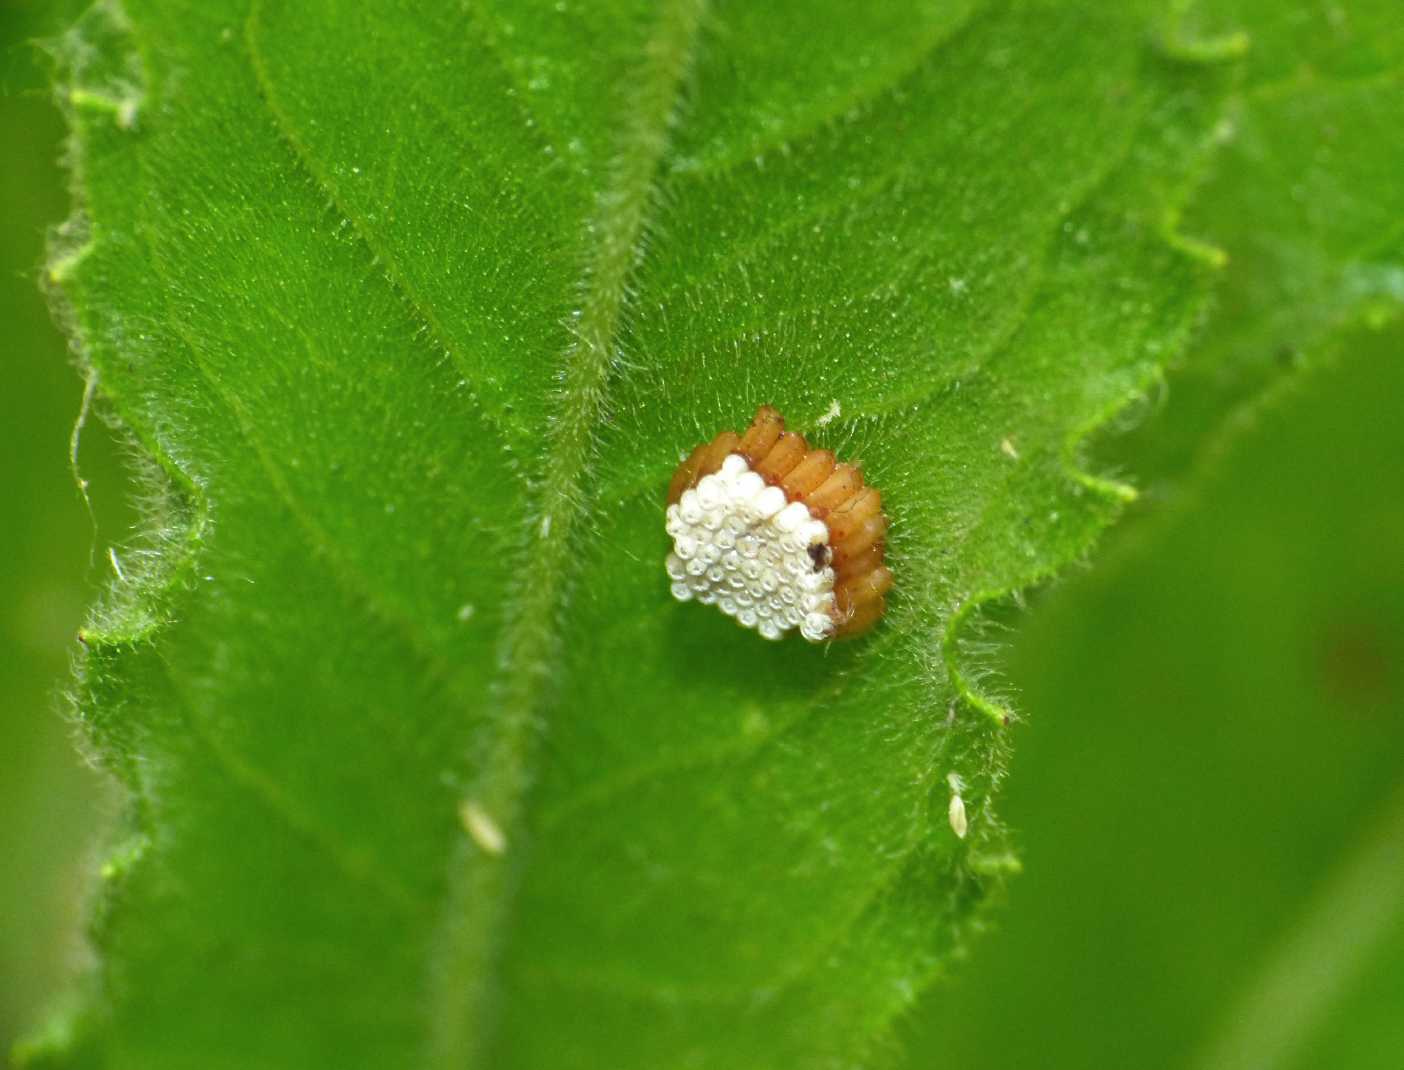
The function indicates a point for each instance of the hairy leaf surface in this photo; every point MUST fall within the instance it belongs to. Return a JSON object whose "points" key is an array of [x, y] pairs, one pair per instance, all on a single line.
{"points": [[413, 308]]}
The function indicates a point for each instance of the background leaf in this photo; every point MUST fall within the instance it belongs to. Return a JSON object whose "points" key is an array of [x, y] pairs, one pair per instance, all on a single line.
{"points": [[1208, 788], [413, 316], [49, 800]]}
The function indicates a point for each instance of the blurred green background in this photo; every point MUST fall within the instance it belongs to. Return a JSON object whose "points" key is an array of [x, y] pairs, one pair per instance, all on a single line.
{"points": [[51, 803], [1207, 786], [1207, 776]]}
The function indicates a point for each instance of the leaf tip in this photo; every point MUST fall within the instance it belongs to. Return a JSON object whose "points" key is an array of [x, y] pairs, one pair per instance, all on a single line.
{"points": [[998, 714], [98, 67]]}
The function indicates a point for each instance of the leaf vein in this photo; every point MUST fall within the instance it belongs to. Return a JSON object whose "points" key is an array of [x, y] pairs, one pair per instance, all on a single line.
{"points": [[480, 885], [383, 256]]}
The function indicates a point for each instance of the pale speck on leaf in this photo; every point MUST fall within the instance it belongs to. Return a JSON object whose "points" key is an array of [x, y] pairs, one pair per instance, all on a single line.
{"points": [[486, 833]]}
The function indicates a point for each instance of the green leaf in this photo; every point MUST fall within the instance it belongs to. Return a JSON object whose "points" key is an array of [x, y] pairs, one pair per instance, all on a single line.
{"points": [[1209, 782], [412, 312], [1303, 195]]}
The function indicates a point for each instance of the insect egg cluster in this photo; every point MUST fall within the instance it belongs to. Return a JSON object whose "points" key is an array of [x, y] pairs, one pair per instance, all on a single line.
{"points": [[776, 535], [739, 545]]}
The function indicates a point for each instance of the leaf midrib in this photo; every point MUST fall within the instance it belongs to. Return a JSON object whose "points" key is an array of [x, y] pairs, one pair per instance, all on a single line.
{"points": [[480, 883]]}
